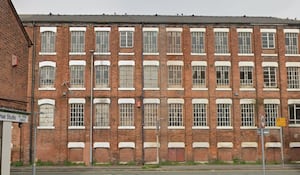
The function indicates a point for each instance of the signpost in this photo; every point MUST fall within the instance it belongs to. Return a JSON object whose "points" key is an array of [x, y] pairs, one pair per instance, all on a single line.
{"points": [[262, 128], [281, 122]]}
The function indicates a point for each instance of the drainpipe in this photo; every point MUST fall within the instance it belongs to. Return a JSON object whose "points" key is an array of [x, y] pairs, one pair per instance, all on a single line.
{"points": [[91, 108], [142, 95], [32, 91]]}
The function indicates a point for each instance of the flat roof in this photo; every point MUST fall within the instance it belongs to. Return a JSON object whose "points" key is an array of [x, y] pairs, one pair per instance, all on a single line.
{"points": [[155, 19]]}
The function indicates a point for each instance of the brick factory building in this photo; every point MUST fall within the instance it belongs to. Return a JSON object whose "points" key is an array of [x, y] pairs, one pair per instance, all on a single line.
{"points": [[119, 88]]}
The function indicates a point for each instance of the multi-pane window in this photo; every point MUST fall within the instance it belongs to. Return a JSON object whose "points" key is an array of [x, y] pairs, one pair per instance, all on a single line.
{"points": [[247, 115], [102, 112], [76, 112], [174, 76], [126, 37], [199, 76], [48, 35], [198, 40], [126, 74], [246, 76], [223, 77], [268, 39], [77, 76], [294, 113], [126, 112], [47, 74], [175, 114], [77, 39], [293, 77], [102, 74], [270, 77], [291, 43], [174, 40], [199, 112], [223, 114], [46, 112], [151, 112], [151, 69], [102, 40], [150, 40], [221, 41], [245, 46], [271, 112]]}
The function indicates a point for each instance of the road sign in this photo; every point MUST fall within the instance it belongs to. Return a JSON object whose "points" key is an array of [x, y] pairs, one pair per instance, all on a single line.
{"points": [[266, 131], [281, 122]]}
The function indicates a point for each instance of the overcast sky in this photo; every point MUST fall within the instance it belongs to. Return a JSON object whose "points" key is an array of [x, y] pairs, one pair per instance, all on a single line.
{"points": [[275, 8]]}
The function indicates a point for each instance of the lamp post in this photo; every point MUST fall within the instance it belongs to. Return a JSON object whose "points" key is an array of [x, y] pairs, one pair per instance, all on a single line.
{"points": [[91, 107], [34, 142]]}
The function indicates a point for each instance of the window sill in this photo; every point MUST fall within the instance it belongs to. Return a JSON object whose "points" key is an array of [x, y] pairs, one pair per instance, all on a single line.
{"points": [[175, 89], [294, 125], [199, 89], [245, 54], [102, 89], [126, 127], [222, 54], [45, 127], [151, 53], [102, 53], [126, 54], [292, 55], [269, 55], [150, 127], [76, 127], [200, 127], [47, 53], [223, 89], [271, 89], [47, 89], [247, 89], [225, 127], [101, 127], [175, 53], [126, 89], [272, 127], [77, 53], [198, 54], [176, 127], [248, 127], [77, 89], [151, 89], [293, 89]]}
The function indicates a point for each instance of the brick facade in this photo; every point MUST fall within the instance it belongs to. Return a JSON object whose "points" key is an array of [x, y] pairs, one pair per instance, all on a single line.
{"points": [[187, 143]]}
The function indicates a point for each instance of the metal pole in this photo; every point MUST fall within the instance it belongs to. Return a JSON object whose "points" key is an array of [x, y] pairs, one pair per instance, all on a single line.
{"points": [[263, 150], [281, 140], [157, 141], [91, 108], [34, 144]]}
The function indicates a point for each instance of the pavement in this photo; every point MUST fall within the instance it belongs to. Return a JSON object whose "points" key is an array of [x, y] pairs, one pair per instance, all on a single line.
{"points": [[160, 168]]}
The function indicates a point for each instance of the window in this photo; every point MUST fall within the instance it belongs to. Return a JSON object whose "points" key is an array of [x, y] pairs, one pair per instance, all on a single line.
{"points": [[291, 43], [174, 40], [247, 113], [126, 37], [223, 79], [270, 77], [126, 112], [150, 40], [48, 35], [102, 39], [46, 112], [294, 112], [47, 74], [126, 74], [199, 112], [175, 74], [293, 77], [151, 69], [76, 112], [221, 41], [101, 112], [151, 112], [175, 108], [198, 40], [246, 76], [77, 39], [199, 74], [77, 76], [223, 115], [245, 46], [102, 74], [271, 112], [268, 38]]}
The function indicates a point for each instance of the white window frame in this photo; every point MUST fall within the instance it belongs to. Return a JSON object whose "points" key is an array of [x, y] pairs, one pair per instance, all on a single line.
{"points": [[199, 65], [104, 83], [47, 114], [249, 83], [177, 82], [50, 48], [227, 103], [150, 41], [270, 66], [153, 78], [249, 112], [293, 76], [198, 41], [52, 65], [77, 101], [271, 118], [152, 117], [81, 51], [178, 102], [131, 119], [270, 38], [200, 113], [101, 114], [245, 42], [174, 41], [104, 40], [221, 41], [294, 122], [129, 40], [224, 67], [81, 63], [129, 78], [292, 47]]}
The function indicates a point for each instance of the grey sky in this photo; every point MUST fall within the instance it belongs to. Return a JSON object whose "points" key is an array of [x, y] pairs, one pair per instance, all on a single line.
{"points": [[275, 8]]}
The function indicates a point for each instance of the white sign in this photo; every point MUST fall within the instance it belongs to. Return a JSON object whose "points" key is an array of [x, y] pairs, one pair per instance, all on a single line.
{"points": [[13, 117]]}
